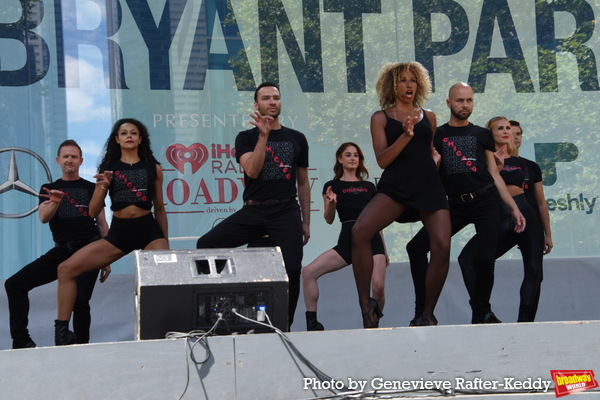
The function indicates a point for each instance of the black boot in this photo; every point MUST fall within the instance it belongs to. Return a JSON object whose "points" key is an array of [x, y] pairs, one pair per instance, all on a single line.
{"points": [[311, 322], [62, 335]]}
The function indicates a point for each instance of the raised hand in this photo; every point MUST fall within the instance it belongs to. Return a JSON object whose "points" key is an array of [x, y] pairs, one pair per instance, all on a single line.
{"points": [[331, 196], [104, 179], [499, 157], [263, 123], [409, 125], [53, 195]]}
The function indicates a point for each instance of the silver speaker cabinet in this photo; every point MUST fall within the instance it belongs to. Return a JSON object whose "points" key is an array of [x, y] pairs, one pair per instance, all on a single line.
{"points": [[185, 290]]}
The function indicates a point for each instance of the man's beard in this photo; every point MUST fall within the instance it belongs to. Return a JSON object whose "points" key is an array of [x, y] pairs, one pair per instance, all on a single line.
{"points": [[459, 116]]}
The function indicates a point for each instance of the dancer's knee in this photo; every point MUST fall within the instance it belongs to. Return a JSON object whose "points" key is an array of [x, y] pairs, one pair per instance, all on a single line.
{"points": [[308, 274], [66, 271], [440, 248], [360, 235]]}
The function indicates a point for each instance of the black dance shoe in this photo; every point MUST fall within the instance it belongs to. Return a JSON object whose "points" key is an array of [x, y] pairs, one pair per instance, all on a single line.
{"points": [[490, 318], [372, 316]]}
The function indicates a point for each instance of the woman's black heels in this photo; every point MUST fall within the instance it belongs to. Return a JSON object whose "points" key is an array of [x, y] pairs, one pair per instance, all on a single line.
{"points": [[369, 320]]}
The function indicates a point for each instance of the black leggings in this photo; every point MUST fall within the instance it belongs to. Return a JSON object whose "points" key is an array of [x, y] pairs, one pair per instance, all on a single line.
{"points": [[531, 244]]}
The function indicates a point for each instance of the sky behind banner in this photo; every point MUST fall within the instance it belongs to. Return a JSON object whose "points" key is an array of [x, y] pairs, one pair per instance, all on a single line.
{"points": [[187, 69]]}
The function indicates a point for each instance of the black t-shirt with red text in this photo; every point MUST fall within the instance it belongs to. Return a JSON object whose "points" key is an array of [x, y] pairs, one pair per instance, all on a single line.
{"points": [[72, 220], [352, 197], [286, 150], [513, 171], [132, 184], [463, 167]]}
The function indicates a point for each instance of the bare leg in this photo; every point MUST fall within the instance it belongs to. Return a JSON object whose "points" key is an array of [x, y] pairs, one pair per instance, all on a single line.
{"points": [[93, 256], [379, 213], [437, 224], [327, 262]]}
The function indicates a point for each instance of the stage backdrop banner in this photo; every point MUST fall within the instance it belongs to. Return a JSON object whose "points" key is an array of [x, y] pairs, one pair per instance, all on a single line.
{"points": [[188, 69]]}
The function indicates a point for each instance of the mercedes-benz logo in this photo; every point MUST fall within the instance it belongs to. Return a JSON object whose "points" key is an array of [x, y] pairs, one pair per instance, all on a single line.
{"points": [[13, 181]]}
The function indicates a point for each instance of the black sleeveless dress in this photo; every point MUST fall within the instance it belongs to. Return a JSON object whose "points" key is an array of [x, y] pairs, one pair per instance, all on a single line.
{"points": [[412, 178]]}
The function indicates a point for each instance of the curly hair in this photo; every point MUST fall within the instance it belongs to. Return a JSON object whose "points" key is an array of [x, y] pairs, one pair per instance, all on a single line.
{"points": [[361, 171], [386, 83], [112, 150], [490, 125]]}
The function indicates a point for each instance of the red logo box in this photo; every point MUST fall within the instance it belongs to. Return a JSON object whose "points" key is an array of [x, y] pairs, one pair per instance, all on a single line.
{"points": [[572, 381]]}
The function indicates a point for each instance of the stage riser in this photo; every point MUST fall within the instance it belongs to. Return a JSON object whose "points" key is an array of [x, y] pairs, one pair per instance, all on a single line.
{"points": [[259, 366]]}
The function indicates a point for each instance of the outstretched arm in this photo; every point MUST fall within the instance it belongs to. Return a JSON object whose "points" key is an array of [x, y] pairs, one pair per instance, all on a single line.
{"points": [[48, 208]]}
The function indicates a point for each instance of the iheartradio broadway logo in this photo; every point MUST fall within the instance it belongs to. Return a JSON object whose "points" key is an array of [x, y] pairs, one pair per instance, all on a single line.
{"points": [[572, 381], [195, 154]]}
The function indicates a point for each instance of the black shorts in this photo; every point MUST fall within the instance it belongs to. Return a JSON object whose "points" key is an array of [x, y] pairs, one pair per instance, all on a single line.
{"points": [[128, 234], [344, 245]]}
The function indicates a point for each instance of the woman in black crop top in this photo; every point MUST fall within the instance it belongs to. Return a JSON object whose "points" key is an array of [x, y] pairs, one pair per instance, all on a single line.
{"points": [[530, 240], [348, 193], [134, 178], [402, 134]]}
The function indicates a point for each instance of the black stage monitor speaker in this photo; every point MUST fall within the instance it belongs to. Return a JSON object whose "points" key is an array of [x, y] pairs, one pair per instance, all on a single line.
{"points": [[185, 290]]}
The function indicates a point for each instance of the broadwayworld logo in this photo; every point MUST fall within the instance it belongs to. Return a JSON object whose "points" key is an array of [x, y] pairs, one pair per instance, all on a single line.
{"points": [[572, 381]]}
